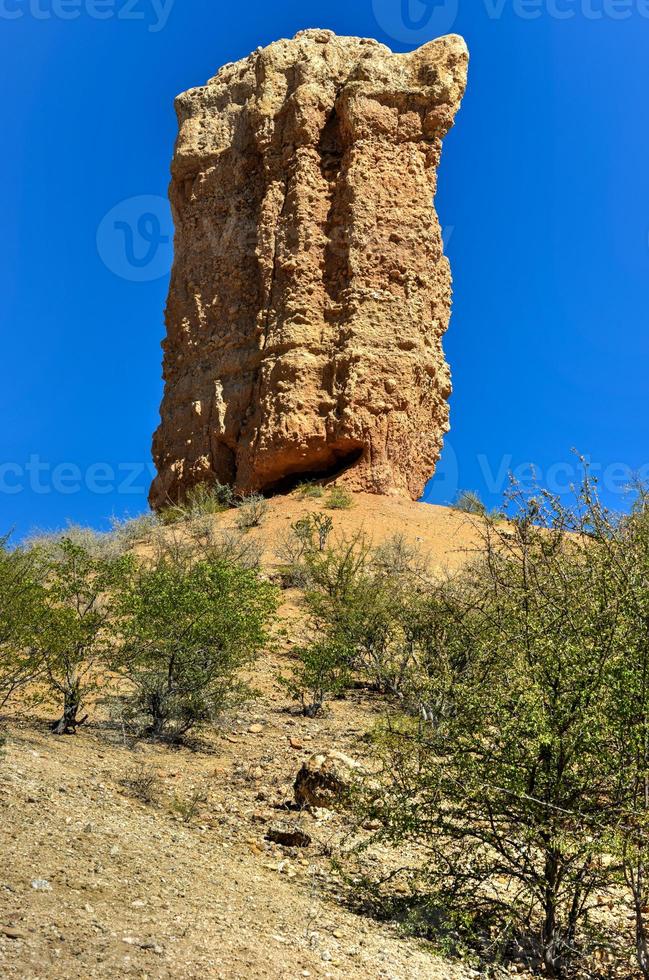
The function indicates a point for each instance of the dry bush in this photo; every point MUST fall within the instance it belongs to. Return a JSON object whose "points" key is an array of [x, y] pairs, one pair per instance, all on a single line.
{"points": [[188, 807], [251, 511], [401, 558], [128, 532], [308, 534], [203, 499], [144, 784]]}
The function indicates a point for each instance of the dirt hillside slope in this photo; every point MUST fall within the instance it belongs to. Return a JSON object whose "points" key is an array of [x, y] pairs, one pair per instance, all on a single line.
{"points": [[96, 882]]}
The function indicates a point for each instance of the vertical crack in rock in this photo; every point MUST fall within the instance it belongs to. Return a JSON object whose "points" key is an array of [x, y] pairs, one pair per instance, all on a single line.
{"points": [[309, 293], [256, 392]]}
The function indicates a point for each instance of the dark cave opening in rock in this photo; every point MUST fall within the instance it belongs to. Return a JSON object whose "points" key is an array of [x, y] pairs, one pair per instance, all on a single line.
{"points": [[337, 462]]}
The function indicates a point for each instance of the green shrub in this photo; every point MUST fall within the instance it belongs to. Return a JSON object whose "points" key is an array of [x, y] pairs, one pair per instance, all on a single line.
{"points": [[303, 531], [322, 527], [190, 629], [21, 620], [320, 672], [339, 498], [368, 609], [77, 633], [521, 763], [308, 534], [311, 491], [623, 546]]}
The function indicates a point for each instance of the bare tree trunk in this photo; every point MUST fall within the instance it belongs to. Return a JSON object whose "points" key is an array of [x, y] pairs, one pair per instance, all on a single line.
{"points": [[69, 722], [637, 877], [642, 943], [158, 713], [636, 881], [552, 959]]}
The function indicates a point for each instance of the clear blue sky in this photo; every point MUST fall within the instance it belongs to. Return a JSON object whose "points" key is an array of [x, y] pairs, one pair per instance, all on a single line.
{"points": [[544, 195]]}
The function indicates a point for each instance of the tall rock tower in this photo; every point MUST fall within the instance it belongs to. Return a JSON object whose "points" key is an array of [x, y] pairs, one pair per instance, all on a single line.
{"points": [[310, 292]]}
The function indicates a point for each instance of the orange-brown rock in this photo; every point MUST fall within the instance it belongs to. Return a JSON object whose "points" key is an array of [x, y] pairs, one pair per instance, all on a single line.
{"points": [[310, 293]]}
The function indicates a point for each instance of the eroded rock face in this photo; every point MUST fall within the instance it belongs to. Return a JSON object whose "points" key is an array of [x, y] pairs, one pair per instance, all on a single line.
{"points": [[310, 292]]}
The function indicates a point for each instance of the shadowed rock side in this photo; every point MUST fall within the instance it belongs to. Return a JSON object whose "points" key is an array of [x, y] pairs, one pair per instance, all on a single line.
{"points": [[310, 292]]}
